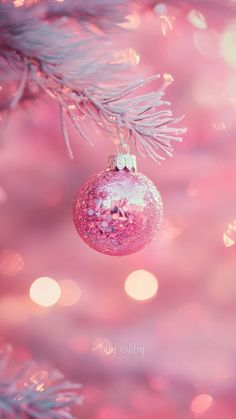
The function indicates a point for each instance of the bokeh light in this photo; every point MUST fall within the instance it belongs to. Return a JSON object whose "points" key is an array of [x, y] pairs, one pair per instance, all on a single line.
{"points": [[141, 285], [45, 291], [105, 304], [197, 19], [229, 237], [132, 22], [18, 3], [227, 45], [70, 293], [201, 403]]}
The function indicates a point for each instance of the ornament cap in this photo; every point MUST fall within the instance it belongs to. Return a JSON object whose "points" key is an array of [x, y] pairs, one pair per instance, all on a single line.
{"points": [[121, 162]]}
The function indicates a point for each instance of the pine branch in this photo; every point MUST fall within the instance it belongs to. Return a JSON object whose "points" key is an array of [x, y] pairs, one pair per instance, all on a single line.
{"points": [[32, 393], [49, 55]]}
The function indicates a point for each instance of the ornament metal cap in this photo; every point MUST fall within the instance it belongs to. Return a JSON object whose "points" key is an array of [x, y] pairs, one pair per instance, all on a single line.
{"points": [[121, 162]]}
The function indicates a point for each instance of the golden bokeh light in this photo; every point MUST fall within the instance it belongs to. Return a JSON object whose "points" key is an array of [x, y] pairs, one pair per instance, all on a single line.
{"points": [[45, 291], [201, 403], [70, 293], [141, 285]]}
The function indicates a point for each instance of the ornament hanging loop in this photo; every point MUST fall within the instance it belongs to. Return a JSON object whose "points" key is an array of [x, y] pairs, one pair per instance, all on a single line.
{"points": [[122, 159], [122, 148]]}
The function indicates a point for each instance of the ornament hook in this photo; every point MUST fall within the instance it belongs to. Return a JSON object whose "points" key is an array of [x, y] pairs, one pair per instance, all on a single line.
{"points": [[122, 147]]}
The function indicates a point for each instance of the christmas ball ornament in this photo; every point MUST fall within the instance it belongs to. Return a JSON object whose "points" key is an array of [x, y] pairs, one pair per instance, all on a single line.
{"points": [[118, 211]]}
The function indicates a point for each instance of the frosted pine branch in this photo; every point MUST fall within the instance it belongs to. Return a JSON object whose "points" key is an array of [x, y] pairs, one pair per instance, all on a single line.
{"points": [[33, 393], [41, 53], [141, 119]]}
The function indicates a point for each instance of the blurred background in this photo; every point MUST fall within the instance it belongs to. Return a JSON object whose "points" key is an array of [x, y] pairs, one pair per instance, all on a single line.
{"points": [[151, 335]]}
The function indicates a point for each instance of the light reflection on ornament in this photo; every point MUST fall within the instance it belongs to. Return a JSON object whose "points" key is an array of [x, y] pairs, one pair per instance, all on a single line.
{"points": [[11, 263], [227, 45], [201, 403], [70, 293], [229, 237], [45, 291], [197, 19], [141, 285], [132, 22]]}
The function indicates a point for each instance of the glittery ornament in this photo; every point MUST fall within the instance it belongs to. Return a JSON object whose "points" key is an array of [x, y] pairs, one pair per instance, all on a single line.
{"points": [[119, 210]]}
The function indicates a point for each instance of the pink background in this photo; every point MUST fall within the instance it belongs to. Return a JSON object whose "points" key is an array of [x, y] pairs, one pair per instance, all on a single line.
{"points": [[186, 333]]}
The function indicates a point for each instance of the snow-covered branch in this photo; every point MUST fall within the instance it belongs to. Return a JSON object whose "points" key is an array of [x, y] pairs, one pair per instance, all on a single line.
{"points": [[43, 52]]}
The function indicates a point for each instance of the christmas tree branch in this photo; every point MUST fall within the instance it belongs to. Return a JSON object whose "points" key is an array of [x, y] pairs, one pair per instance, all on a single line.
{"points": [[33, 393], [41, 52]]}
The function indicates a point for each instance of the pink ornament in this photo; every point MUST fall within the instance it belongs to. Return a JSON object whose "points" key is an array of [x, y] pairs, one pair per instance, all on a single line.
{"points": [[118, 211]]}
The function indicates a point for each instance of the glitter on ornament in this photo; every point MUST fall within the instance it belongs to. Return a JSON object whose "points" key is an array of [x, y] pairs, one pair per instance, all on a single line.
{"points": [[118, 211]]}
